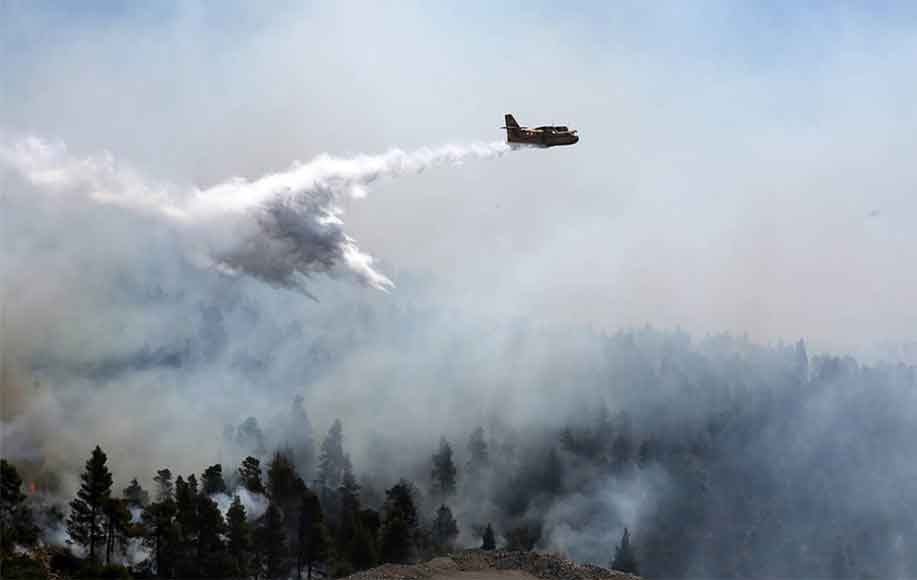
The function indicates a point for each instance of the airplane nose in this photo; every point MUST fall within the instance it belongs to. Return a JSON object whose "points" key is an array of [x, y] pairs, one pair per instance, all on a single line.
{"points": [[576, 138]]}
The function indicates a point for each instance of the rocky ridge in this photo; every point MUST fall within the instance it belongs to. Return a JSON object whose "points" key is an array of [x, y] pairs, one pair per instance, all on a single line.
{"points": [[543, 566]]}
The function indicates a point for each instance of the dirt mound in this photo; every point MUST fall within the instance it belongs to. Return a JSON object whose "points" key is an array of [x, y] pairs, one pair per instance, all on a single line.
{"points": [[497, 565]]}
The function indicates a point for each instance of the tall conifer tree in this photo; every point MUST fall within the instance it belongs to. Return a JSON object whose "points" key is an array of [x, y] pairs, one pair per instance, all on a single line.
{"points": [[444, 471], [625, 559], [87, 509], [312, 536], [272, 542], [16, 523], [239, 536], [250, 473]]}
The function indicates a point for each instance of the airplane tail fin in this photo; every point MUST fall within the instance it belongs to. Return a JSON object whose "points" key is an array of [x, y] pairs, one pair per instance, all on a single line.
{"points": [[510, 121]]}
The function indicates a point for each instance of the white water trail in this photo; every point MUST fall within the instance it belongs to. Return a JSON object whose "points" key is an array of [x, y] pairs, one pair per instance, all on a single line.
{"points": [[280, 228]]}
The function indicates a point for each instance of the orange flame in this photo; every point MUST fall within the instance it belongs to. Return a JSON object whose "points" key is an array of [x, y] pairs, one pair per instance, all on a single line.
{"points": [[32, 487]]}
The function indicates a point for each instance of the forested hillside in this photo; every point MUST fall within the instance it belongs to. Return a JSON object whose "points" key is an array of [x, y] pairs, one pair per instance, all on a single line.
{"points": [[718, 458]]}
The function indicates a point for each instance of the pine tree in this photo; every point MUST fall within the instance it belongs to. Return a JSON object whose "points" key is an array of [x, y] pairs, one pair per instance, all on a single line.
{"points": [[161, 534], [299, 434], [117, 520], [365, 549], [400, 499], [239, 536], [11, 495], [311, 534], [281, 480], [396, 539], [488, 540], [348, 495], [478, 456], [212, 480], [347, 518], [211, 556], [625, 559], [135, 496], [332, 460], [445, 529], [185, 508], [284, 488], [271, 541], [16, 524], [164, 486], [444, 471], [86, 510], [399, 524], [331, 466], [363, 552], [250, 473], [186, 517], [355, 539], [250, 437]]}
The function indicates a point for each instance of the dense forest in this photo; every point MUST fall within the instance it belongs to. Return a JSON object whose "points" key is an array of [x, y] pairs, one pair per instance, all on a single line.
{"points": [[786, 466]]}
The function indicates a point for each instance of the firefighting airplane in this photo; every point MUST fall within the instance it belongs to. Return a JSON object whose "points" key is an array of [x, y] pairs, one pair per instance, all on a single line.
{"points": [[545, 136]]}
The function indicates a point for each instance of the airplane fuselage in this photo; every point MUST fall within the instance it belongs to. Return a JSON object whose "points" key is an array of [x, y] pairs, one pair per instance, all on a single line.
{"points": [[545, 136], [541, 137]]}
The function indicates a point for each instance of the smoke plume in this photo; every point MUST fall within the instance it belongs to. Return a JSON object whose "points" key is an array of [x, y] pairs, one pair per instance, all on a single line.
{"points": [[280, 228]]}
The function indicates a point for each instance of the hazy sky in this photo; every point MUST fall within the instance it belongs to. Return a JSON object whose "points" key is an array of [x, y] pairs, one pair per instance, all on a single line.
{"points": [[741, 168]]}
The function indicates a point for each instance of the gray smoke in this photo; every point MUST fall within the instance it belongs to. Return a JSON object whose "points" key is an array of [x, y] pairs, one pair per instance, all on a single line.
{"points": [[115, 334], [119, 292]]}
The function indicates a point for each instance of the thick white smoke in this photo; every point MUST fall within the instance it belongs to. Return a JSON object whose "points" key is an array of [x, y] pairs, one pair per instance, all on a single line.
{"points": [[255, 504], [280, 228]]}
